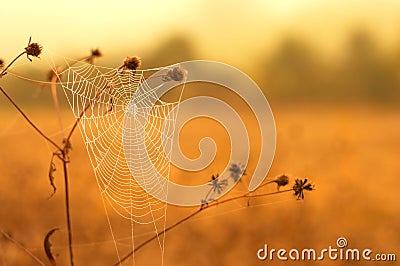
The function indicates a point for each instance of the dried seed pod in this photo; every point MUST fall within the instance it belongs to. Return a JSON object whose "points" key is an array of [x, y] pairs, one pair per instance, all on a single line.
{"points": [[33, 49], [177, 74], [281, 181], [132, 63]]}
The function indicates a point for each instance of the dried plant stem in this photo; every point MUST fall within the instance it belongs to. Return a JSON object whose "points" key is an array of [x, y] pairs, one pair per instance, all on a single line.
{"points": [[204, 207], [63, 150], [65, 161], [12, 62], [67, 208], [21, 247], [28, 120]]}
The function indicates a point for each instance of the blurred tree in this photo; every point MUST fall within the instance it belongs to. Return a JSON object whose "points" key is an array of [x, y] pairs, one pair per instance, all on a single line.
{"points": [[176, 49], [395, 64], [294, 71], [365, 72]]}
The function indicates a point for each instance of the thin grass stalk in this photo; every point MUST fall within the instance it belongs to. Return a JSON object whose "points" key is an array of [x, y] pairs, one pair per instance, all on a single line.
{"points": [[29, 120], [67, 207], [21, 247], [12, 62]]}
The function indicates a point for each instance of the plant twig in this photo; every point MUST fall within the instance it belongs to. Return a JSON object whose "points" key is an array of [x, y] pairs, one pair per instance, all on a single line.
{"points": [[202, 208], [34, 49], [21, 247], [65, 160], [12, 62], [28, 120], [67, 208]]}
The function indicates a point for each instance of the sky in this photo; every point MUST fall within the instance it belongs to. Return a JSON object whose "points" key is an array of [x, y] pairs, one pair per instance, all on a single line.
{"points": [[229, 31]]}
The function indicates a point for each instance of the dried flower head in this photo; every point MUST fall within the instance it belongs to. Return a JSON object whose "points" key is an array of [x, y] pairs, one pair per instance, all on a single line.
{"points": [[217, 184], [237, 170], [33, 49], [1, 62], [177, 74], [96, 53], [281, 181], [132, 63], [300, 186]]}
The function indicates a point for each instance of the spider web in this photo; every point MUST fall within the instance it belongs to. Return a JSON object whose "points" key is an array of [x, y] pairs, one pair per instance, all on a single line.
{"points": [[101, 98]]}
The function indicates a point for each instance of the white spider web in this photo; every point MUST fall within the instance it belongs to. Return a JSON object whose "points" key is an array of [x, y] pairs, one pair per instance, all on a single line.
{"points": [[100, 98]]}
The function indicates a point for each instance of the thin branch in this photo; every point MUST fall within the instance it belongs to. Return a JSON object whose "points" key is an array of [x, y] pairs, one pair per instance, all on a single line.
{"points": [[12, 62], [28, 120], [21, 247], [202, 208], [34, 50], [68, 216]]}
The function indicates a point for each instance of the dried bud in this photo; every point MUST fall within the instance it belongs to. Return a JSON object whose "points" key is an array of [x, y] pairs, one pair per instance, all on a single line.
{"points": [[237, 170], [1, 62], [281, 181], [93, 54], [96, 53], [132, 63], [177, 74], [33, 49]]}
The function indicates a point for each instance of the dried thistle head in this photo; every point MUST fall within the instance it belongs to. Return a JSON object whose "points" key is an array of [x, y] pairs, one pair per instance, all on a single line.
{"points": [[178, 73], [281, 181], [132, 63], [33, 49], [301, 185], [96, 52], [237, 170]]}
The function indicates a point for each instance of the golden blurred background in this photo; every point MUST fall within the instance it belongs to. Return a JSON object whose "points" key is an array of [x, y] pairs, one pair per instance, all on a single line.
{"points": [[330, 70]]}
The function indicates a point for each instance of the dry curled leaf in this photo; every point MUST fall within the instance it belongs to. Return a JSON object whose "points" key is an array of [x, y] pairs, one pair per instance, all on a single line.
{"points": [[52, 169], [47, 247]]}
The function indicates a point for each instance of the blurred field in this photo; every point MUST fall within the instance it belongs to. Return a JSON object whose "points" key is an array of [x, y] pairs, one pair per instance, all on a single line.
{"points": [[351, 152]]}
